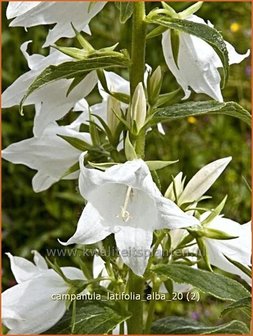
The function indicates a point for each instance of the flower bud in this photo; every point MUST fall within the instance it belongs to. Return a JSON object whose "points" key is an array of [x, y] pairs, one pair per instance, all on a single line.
{"points": [[138, 107], [113, 109], [154, 85]]}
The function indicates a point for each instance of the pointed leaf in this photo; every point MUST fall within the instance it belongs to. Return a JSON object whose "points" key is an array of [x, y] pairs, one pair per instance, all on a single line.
{"points": [[73, 69], [243, 303], [214, 213], [156, 165], [76, 143], [242, 267], [211, 283], [201, 108], [102, 165], [92, 317], [72, 169], [181, 326], [129, 149]]}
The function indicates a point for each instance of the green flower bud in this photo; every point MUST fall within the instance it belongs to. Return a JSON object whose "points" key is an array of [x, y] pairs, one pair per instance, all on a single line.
{"points": [[154, 85], [138, 107], [113, 109]]}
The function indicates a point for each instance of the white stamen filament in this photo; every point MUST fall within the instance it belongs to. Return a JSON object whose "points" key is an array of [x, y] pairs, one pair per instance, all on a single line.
{"points": [[125, 215]]}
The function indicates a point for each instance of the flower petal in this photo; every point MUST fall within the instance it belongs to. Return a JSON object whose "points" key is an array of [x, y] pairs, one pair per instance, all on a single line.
{"points": [[39, 261], [115, 83], [169, 59], [23, 269], [63, 14], [134, 245], [73, 273], [20, 7], [32, 301], [238, 249], [198, 67], [53, 97], [49, 154], [90, 228], [234, 57], [203, 180], [16, 91], [172, 217], [130, 173]]}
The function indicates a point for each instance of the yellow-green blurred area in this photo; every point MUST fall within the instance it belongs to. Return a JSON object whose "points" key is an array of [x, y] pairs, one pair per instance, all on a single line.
{"points": [[35, 221]]}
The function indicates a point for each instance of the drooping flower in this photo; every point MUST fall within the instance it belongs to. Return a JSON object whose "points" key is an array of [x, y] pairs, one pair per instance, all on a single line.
{"points": [[237, 249], [30, 14], [197, 63], [51, 155], [125, 201], [29, 307], [51, 101]]}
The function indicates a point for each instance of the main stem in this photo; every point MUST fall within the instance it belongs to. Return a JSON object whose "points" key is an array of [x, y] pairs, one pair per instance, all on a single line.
{"points": [[136, 283], [135, 306], [137, 68], [138, 46]]}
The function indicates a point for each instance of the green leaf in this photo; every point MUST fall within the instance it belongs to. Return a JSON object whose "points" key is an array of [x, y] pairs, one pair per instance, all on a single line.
{"points": [[129, 149], [179, 325], [76, 143], [156, 32], [156, 165], [173, 97], [83, 42], [215, 212], [189, 109], [126, 10], [203, 31], [214, 284], [92, 317], [242, 267], [72, 169], [242, 303], [190, 10], [74, 69], [103, 165], [76, 53]]}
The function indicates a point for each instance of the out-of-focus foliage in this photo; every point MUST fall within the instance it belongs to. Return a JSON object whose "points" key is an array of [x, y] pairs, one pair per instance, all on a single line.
{"points": [[35, 221]]}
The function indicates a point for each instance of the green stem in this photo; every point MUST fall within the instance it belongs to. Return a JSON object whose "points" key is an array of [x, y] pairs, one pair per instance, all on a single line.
{"points": [[135, 286], [138, 46], [137, 68], [136, 283], [151, 310]]}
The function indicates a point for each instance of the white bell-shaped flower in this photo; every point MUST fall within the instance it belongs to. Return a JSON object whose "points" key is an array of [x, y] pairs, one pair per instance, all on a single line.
{"points": [[28, 307], [197, 63], [62, 14], [125, 201], [49, 154], [237, 249], [51, 101]]}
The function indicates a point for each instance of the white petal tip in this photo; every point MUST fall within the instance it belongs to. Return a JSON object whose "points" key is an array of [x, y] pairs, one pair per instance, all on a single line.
{"points": [[68, 242]]}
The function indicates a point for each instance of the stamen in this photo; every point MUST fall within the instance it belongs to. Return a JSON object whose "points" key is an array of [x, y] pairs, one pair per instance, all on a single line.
{"points": [[125, 215]]}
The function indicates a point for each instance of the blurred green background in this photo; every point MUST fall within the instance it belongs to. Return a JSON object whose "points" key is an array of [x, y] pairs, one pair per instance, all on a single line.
{"points": [[35, 221]]}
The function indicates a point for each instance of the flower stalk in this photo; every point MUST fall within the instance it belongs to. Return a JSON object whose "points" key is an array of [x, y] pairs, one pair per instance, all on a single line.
{"points": [[136, 283]]}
